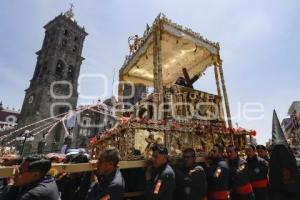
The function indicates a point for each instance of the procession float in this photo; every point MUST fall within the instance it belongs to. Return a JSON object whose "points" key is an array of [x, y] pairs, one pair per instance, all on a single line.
{"points": [[169, 59]]}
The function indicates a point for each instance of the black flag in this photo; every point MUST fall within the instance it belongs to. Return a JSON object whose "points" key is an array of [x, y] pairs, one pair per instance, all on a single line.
{"points": [[277, 133], [284, 174]]}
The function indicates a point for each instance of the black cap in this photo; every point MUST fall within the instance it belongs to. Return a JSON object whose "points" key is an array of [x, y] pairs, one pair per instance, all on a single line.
{"points": [[161, 149], [262, 147], [252, 146]]}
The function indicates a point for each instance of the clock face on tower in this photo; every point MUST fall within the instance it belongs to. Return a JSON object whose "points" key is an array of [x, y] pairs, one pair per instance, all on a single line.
{"points": [[30, 99]]}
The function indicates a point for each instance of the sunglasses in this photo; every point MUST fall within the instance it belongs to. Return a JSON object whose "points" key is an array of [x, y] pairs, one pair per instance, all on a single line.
{"points": [[188, 156]]}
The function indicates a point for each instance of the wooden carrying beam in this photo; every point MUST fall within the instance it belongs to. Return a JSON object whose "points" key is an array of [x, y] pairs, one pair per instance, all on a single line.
{"points": [[6, 172]]}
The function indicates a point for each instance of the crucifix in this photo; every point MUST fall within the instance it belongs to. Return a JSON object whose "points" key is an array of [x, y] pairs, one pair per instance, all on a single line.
{"points": [[70, 12]]}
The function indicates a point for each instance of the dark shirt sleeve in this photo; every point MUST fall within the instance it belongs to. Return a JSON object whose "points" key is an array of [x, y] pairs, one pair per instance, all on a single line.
{"points": [[168, 184], [93, 191], [166, 188], [196, 185], [149, 190], [115, 191], [265, 166], [30, 196], [239, 176], [221, 177], [10, 192]]}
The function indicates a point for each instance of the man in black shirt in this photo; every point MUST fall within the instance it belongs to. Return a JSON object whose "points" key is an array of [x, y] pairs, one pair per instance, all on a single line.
{"points": [[75, 185], [239, 181], [110, 183], [263, 152], [160, 177], [258, 170], [31, 182], [217, 175], [194, 182]]}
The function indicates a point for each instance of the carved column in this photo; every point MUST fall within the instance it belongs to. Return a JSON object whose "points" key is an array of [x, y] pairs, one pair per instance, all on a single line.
{"points": [[179, 107], [174, 102], [119, 112], [157, 67], [220, 102], [225, 96], [185, 107], [229, 122], [217, 79]]}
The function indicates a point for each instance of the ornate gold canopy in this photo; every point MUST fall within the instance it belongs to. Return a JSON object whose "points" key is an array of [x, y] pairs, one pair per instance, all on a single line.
{"points": [[179, 48], [166, 52]]}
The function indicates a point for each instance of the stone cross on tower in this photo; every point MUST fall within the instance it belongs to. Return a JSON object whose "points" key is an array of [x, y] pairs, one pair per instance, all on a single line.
{"points": [[70, 13]]}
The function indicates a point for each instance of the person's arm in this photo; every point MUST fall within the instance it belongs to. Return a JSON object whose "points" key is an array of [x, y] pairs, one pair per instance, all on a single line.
{"points": [[221, 176], [265, 167], [164, 186], [93, 191], [113, 192], [10, 192], [149, 183], [30, 196], [198, 184]]}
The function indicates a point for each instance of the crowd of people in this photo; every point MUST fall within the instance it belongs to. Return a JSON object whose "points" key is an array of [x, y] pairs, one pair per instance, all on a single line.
{"points": [[225, 174]]}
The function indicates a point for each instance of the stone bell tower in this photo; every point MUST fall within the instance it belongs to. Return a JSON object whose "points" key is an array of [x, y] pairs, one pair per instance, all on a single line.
{"points": [[53, 87]]}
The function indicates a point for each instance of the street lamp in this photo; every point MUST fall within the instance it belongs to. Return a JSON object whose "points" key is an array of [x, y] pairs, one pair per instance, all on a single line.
{"points": [[21, 140]]}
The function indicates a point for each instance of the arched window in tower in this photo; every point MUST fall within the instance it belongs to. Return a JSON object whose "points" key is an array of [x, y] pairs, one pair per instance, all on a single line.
{"points": [[59, 69], [70, 72], [74, 48], [75, 39], [62, 109], [64, 43], [66, 33]]}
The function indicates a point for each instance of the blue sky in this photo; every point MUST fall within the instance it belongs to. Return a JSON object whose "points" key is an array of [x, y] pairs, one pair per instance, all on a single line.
{"points": [[259, 42]]}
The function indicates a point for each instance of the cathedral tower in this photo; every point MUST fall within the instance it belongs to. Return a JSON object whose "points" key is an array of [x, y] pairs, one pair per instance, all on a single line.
{"points": [[53, 87]]}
